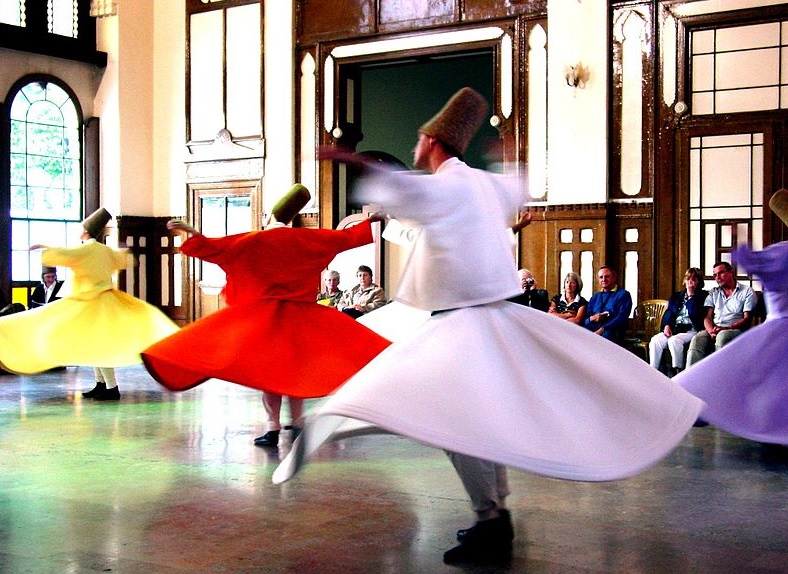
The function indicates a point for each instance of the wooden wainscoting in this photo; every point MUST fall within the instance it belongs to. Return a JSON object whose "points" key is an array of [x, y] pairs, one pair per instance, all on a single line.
{"points": [[156, 273], [581, 238], [563, 238]]}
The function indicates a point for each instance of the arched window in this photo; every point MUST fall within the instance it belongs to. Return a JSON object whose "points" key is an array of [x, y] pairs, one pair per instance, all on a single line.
{"points": [[46, 166]]}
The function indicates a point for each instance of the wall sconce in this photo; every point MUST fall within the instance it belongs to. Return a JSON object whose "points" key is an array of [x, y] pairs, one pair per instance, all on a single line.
{"points": [[577, 75]]}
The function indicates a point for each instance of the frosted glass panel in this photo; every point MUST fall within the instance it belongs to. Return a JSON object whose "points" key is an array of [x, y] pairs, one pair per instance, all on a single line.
{"points": [[537, 112], [741, 212], [744, 68], [61, 17], [783, 65], [308, 128], [703, 42], [726, 176], [757, 234], [694, 244], [703, 103], [744, 100], [694, 191], [239, 214], [747, 37], [703, 73], [709, 247], [207, 76], [243, 70], [632, 108], [726, 238], [751, 68], [10, 12], [757, 175], [729, 140]]}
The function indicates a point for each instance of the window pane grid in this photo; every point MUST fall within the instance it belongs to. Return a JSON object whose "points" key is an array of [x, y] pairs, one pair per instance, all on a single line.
{"points": [[739, 69], [46, 181], [725, 196]]}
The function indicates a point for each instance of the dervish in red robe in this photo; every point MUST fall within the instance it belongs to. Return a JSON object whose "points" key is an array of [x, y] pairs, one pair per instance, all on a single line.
{"points": [[269, 335]]}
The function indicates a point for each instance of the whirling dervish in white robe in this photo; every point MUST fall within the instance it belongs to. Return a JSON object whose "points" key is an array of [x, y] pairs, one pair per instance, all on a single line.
{"points": [[489, 378]]}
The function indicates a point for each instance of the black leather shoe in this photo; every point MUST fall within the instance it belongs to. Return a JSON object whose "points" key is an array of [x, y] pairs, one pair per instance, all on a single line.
{"points": [[486, 542], [464, 553], [112, 394], [271, 438], [463, 533], [97, 390]]}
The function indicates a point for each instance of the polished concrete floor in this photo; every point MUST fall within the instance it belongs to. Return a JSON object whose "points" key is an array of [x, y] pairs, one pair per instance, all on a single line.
{"points": [[171, 483]]}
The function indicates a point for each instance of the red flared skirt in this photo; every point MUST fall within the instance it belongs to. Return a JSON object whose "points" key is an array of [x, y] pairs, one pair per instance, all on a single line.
{"points": [[302, 350]]}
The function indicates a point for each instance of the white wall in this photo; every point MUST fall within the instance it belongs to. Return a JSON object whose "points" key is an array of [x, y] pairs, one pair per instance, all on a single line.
{"points": [[81, 78], [108, 110], [140, 101], [169, 116], [279, 104], [134, 190], [577, 118]]}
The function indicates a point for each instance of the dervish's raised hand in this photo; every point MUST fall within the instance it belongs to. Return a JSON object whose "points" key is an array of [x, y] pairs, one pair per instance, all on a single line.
{"points": [[180, 226], [349, 157], [378, 216]]}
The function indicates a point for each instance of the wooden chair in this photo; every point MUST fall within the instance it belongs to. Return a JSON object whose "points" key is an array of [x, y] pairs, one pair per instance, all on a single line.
{"points": [[645, 323]]}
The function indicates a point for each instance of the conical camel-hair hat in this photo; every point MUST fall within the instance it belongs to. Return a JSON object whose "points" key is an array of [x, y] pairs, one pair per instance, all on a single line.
{"points": [[459, 120], [779, 204], [291, 203], [96, 222]]}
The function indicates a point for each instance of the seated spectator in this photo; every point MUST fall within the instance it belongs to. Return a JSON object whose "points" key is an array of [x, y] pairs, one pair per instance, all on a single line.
{"points": [[570, 304], [729, 311], [46, 291], [332, 293], [608, 310], [364, 297], [682, 321], [531, 295]]}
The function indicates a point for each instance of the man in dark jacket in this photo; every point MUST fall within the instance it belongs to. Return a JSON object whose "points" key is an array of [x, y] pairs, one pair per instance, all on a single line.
{"points": [[46, 292]]}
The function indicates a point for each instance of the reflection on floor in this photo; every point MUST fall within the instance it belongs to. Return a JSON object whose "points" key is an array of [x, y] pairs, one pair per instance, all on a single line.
{"points": [[171, 483]]}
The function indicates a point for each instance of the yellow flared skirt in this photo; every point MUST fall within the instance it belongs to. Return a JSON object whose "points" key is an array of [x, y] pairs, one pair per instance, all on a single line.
{"points": [[107, 330]]}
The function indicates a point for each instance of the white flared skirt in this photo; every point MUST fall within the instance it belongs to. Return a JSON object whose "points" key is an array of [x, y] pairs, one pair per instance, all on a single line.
{"points": [[512, 385]]}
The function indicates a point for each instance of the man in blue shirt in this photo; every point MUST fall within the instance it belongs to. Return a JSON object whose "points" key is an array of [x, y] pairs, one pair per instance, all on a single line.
{"points": [[608, 310]]}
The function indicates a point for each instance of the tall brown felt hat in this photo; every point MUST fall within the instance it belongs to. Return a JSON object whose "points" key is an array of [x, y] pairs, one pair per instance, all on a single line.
{"points": [[96, 222], [779, 204], [291, 203], [459, 120]]}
